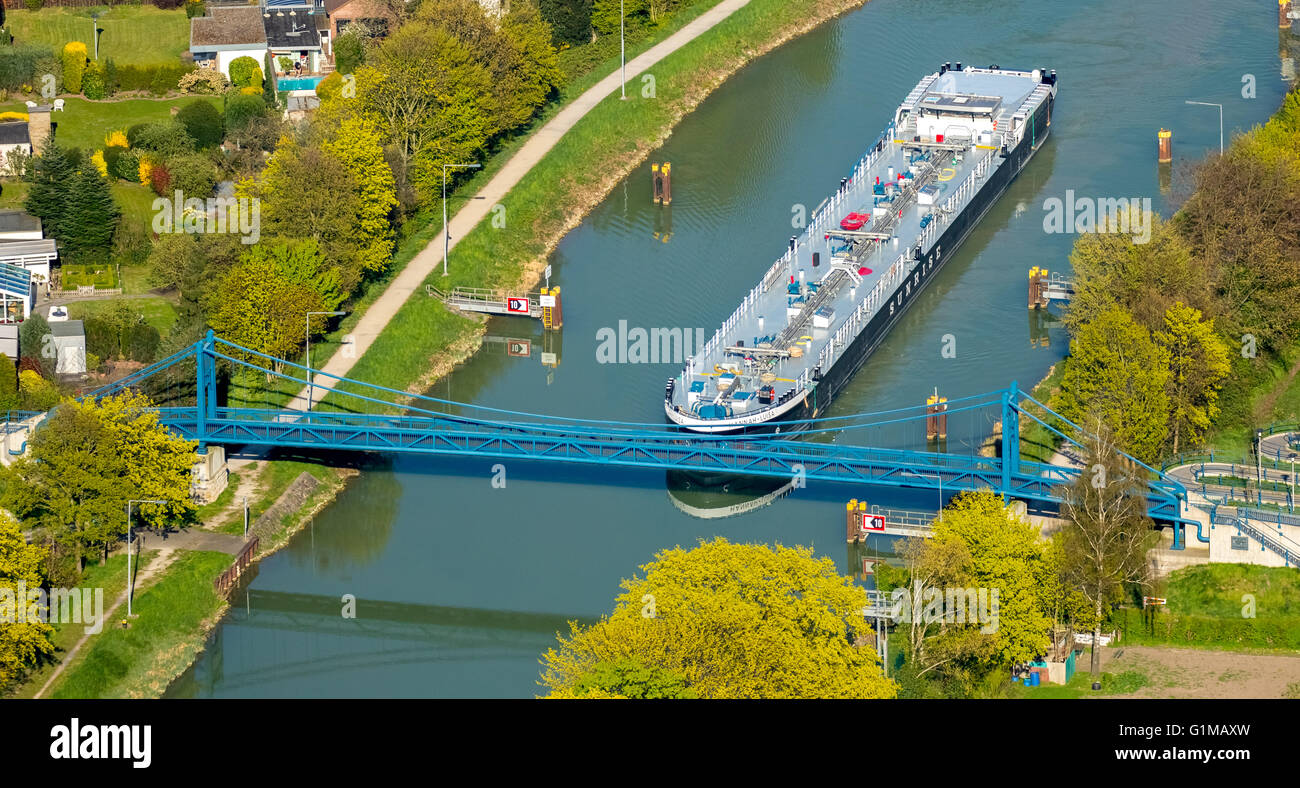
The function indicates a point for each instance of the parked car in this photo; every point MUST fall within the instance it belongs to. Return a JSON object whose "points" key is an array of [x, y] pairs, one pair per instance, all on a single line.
{"points": [[854, 221]]}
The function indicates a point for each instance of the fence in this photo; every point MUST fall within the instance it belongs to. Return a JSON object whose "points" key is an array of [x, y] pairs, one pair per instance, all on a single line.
{"points": [[226, 580]]}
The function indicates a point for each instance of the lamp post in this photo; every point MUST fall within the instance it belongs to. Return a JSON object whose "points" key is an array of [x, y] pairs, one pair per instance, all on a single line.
{"points": [[94, 31], [622, 52], [130, 581], [937, 478], [1220, 106], [1292, 458], [446, 237], [309, 378]]}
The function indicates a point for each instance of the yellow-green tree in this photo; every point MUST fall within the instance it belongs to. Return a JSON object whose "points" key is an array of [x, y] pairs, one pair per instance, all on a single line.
{"points": [[74, 65], [733, 621], [1117, 372], [355, 143], [1198, 367], [22, 645], [260, 305], [1006, 556]]}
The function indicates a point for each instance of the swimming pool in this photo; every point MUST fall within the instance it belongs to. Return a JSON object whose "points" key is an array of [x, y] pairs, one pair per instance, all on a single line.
{"points": [[297, 83]]}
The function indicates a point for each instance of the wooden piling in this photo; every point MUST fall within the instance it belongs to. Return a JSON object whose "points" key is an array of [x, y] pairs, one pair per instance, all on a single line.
{"points": [[1037, 288], [661, 183], [936, 418], [1166, 149], [1283, 21], [852, 530], [667, 173]]}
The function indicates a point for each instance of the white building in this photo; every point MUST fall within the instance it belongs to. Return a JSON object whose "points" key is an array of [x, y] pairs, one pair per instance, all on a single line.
{"points": [[70, 347]]}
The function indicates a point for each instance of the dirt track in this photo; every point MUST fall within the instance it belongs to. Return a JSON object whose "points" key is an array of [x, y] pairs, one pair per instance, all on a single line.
{"points": [[1194, 673]]}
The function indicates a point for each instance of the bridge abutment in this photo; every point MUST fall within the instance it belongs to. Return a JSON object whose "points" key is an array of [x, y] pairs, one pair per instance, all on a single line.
{"points": [[209, 475]]}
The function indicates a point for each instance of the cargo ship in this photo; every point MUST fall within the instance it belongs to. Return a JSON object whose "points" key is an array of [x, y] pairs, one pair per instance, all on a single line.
{"points": [[950, 151]]}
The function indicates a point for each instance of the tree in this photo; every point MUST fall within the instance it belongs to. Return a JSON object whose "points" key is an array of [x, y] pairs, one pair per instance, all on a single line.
{"points": [[94, 83], [733, 621], [259, 306], [570, 20], [52, 171], [202, 122], [1005, 555], [356, 145], [268, 82], [8, 384], [1107, 532], [607, 14], [629, 679], [193, 174], [166, 138], [74, 65], [1143, 279], [533, 66], [34, 344], [22, 645], [86, 228], [244, 72], [87, 460], [1118, 373], [241, 110], [349, 50], [1198, 367]]}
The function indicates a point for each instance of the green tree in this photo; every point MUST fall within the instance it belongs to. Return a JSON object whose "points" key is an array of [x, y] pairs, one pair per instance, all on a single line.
{"points": [[570, 20], [90, 218], [47, 198], [94, 83], [241, 109], [606, 14], [22, 645], [533, 66], [1107, 532], [8, 384], [166, 138], [1144, 279], [1198, 367], [34, 345], [193, 174], [244, 72], [1118, 373], [356, 145], [259, 306], [629, 679], [349, 51], [87, 460], [733, 621], [1006, 555], [202, 122]]}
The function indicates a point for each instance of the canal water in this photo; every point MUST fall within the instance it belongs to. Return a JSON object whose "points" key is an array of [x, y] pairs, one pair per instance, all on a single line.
{"points": [[460, 584]]}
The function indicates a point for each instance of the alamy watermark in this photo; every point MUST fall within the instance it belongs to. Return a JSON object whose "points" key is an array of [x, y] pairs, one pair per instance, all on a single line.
{"points": [[1129, 215], [932, 605], [648, 346], [225, 215], [57, 606]]}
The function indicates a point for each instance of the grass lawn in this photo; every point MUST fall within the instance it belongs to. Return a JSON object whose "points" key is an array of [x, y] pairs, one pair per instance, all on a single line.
{"points": [[84, 124], [13, 193], [141, 661], [1080, 685], [141, 35], [156, 310]]}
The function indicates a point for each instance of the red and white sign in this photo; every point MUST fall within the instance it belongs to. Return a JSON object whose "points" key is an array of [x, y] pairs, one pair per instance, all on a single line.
{"points": [[873, 523], [517, 306], [519, 347], [1153, 600]]}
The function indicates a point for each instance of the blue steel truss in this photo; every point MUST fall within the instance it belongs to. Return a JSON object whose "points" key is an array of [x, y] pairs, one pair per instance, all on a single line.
{"points": [[498, 434]]}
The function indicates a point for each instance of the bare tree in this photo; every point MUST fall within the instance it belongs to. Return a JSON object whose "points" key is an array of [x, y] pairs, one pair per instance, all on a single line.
{"points": [[1107, 532]]}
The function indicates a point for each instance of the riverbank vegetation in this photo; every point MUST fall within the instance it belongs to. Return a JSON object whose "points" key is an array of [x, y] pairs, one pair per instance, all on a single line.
{"points": [[1193, 339]]}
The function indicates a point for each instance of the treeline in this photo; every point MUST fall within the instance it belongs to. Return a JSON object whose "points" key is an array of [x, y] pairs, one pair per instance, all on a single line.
{"points": [[441, 87], [23, 68], [1158, 328]]}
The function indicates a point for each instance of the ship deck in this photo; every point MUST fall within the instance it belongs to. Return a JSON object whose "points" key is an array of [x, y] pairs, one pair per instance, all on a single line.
{"points": [[831, 275]]}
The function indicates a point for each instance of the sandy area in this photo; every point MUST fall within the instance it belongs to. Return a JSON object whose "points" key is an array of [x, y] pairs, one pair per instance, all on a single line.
{"points": [[1195, 673]]}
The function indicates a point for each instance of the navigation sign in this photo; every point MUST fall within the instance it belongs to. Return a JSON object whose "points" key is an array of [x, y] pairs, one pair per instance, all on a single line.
{"points": [[546, 301], [873, 523], [1152, 600], [869, 566], [550, 358], [519, 347], [517, 305], [547, 274]]}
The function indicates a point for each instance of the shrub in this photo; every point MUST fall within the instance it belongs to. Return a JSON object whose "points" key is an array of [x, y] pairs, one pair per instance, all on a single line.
{"points": [[74, 65], [194, 8], [127, 166], [285, 62], [243, 70], [92, 82], [100, 163], [35, 392], [110, 76], [34, 5], [112, 154], [48, 64], [203, 123], [167, 138], [349, 52], [117, 138], [241, 109], [144, 171], [193, 174], [205, 81], [133, 77], [162, 83], [160, 178], [21, 65]]}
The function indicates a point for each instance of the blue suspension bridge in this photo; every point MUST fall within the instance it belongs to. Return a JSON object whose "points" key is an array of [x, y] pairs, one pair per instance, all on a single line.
{"points": [[360, 416]]}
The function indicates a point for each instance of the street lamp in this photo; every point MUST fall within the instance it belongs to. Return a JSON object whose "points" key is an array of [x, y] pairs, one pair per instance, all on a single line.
{"points": [[1292, 458], [446, 237], [936, 477], [1220, 106], [130, 581], [94, 31], [622, 52], [309, 378]]}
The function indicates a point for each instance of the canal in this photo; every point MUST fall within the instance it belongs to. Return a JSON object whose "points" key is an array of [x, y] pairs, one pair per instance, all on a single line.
{"points": [[461, 584]]}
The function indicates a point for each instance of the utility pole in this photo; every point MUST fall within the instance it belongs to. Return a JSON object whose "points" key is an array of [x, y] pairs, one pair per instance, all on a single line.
{"points": [[309, 379], [446, 237], [622, 52], [130, 539]]}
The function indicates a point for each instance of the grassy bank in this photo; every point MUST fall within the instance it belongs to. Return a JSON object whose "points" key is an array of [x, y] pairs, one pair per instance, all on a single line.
{"points": [[571, 180], [173, 615]]}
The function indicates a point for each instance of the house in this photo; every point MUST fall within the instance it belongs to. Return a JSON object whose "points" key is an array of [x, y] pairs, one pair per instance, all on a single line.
{"points": [[291, 32], [36, 256], [227, 33], [14, 137], [17, 293], [69, 338], [374, 14], [19, 226]]}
